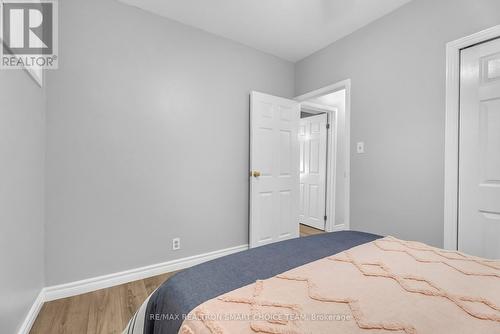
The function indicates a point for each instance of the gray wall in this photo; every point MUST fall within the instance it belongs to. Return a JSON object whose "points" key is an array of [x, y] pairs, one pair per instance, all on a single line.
{"points": [[147, 139], [21, 196], [397, 67]]}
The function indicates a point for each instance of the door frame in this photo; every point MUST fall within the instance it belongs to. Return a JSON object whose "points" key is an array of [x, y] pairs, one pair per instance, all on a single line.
{"points": [[452, 131], [332, 153]]}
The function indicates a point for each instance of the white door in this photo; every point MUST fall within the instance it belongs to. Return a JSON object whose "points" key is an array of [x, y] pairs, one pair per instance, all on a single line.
{"points": [[312, 141], [479, 165], [274, 165]]}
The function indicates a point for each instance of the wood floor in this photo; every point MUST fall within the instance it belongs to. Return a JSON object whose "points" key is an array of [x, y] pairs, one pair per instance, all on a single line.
{"points": [[105, 311], [307, 230]]}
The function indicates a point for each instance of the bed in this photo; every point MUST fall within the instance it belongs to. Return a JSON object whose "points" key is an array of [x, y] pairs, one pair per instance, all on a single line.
{"points": [[163, 311], [349, 281]]}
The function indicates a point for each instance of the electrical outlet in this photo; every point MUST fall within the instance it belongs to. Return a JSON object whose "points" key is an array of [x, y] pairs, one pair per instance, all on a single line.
{"points": [[176, 243]]}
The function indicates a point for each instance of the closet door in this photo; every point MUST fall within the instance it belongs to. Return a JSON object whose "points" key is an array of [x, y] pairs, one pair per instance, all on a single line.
{"points": [[479, 166]]}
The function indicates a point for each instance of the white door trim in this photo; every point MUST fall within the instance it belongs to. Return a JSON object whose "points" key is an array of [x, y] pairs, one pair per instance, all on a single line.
{"points": [[452, 130], [332, 158]]}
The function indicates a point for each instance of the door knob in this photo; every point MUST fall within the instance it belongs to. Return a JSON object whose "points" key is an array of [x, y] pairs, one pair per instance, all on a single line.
{"points": [[255, 173]]}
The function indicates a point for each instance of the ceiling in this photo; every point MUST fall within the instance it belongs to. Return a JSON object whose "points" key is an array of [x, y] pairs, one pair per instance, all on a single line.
{"points": [[289, 29]]}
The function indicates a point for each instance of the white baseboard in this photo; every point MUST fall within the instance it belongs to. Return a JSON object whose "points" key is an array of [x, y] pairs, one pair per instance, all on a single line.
{"points": [[340, 227], [32, 313], [106, 281]]}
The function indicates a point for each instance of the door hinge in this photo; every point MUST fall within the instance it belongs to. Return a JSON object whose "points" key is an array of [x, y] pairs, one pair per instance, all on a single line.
{"points": [[325, 217], [327, 125]]}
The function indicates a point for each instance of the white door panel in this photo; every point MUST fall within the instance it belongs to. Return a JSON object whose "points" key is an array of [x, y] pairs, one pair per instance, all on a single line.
{"points": [[312, 141], [479, 165], [274, 153]]}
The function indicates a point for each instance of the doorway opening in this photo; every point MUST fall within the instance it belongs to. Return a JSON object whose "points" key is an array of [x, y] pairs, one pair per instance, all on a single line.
{"points": [[324, 159]]}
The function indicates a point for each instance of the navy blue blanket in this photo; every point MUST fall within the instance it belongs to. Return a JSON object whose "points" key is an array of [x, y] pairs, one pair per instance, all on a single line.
{"points": [[189, 288]]}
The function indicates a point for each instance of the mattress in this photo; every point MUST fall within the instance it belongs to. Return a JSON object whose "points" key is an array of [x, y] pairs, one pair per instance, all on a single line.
{"points": [[165, 310], [384, 286]]}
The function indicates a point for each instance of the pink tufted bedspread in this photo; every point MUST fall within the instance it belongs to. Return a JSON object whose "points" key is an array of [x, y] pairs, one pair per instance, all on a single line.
{"points": [[385, 286]]}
